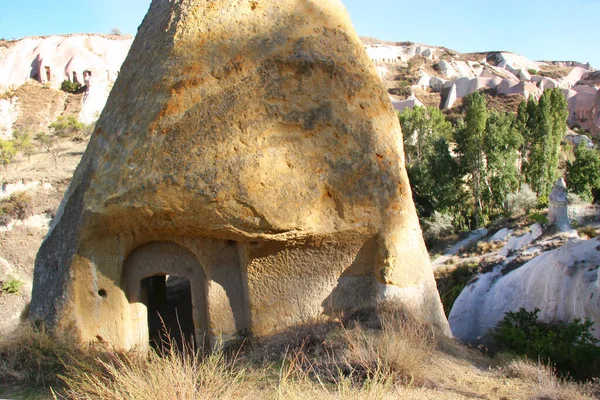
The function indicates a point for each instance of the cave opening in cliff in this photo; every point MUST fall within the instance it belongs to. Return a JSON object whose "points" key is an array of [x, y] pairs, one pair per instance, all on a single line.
{"points": [[170, 318]]}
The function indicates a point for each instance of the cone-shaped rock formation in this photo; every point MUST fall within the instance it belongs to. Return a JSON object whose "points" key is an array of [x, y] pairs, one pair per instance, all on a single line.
{"points": [[249, 147]]}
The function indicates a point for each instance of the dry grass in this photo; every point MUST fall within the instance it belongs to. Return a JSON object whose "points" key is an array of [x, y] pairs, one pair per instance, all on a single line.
{"points": [[588, 232], [171, 375], [398, 348], [544, 382], [32, 357], [379, 353], [554, 71]]}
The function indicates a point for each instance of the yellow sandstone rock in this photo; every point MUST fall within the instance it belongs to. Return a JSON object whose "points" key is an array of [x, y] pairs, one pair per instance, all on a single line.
{"points": [[249, 147]]}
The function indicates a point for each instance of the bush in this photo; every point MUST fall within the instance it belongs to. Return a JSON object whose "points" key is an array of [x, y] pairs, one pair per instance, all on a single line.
{"points": [[13, 286], [17, 206], [70, 87], [574, 198], [8, 151], [438, 225], [522, 201], [542, 202], [538, 218], [571, 347], [66, 127], [583, 175]]}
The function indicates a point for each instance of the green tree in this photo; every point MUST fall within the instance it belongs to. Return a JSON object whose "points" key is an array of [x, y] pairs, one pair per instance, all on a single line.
{"points": [[421, 127], [546, 126], [24, 144], [433, 173], [470, 139], [583, 174], [501, 145], [8, 151]]}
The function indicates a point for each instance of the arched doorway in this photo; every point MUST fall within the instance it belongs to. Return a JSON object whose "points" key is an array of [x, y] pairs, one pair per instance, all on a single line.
{"points": [[169, 280]]}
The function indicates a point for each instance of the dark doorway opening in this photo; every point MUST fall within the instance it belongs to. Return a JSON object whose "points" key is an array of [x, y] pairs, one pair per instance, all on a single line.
{"points": [[48, 74], [170, 318]]}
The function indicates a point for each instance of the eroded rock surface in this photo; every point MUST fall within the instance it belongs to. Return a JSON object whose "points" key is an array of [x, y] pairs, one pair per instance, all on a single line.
{"points": [[251, 148], [563, 283]]}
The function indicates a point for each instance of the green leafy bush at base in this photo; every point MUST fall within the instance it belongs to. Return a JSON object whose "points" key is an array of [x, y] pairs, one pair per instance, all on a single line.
{"points": [[570, 347]]}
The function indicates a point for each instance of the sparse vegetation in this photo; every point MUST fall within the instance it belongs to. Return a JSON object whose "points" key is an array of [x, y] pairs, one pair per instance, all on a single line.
{"points": [[12, 286], [554, 72], [23, 143], [8, 93], [17, 206], [51, 144], [8, 152]]}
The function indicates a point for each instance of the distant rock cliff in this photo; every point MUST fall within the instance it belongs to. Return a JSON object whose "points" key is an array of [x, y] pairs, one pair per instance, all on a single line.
{"points": [[92, 60], [414, 74], [418, 74]]}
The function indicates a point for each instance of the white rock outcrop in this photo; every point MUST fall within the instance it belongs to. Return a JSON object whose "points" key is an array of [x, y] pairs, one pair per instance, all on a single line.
{"points": [[9, 112], [557, 207], [564, 284], [518, 242], [93, 60]]}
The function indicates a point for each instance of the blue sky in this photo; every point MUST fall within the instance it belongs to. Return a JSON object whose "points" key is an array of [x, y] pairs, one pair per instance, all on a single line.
{"points": [[538, 29]]}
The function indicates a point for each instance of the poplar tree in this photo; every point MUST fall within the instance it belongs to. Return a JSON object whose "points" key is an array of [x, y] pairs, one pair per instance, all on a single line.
{"points": [[470, 140], [501, 146], [550, 116]]}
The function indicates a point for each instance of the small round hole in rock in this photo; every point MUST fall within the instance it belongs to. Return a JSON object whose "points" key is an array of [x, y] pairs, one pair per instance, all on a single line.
{"points": [[102, 293]]}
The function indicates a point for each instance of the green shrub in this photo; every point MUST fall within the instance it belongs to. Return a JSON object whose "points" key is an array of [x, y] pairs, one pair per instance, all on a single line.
{"points": [[570, 347], [13, 286], [70, 87], [521, 201], [532, 71], [8, 151], [538, 218], [437, 225], [66, 126]]}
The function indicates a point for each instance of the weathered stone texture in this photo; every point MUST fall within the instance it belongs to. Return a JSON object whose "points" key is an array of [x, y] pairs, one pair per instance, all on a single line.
{"points": [[260, 127]]}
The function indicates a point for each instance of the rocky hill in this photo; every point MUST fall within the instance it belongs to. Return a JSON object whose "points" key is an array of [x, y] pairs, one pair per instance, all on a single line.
{"points": [[418, 74], [414, 74], [33, 69]]}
